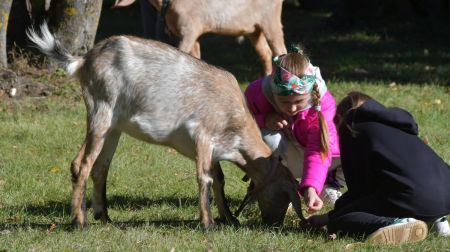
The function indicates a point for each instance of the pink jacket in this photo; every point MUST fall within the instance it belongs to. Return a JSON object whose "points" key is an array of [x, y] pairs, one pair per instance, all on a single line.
{"points": [[305, 128]]}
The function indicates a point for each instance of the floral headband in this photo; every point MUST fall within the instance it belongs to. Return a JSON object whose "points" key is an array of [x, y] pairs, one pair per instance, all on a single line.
{"points": [[285, 83]]}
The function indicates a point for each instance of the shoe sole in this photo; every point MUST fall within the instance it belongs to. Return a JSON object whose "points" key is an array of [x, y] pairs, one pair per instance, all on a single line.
{"points": [[398, 234]]}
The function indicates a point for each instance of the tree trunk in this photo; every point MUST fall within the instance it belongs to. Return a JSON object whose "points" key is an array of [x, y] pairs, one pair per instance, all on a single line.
{"points": [[5, 7], [75, 23]]}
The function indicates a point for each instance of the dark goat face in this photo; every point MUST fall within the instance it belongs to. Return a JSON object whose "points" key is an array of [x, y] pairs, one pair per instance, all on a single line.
{"points": [[274, 197]]}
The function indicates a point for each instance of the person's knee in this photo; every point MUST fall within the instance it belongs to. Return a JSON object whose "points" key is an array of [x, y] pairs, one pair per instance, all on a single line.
{"points": [[272, 138]]}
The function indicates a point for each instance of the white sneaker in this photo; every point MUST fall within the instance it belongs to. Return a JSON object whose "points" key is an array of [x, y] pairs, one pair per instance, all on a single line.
{"points": [[404, 230], [330, 194], [440, 227]]}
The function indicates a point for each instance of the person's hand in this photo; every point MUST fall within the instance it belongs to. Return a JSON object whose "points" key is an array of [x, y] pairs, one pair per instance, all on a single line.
{"points": [[312, 200], [275, 122]]}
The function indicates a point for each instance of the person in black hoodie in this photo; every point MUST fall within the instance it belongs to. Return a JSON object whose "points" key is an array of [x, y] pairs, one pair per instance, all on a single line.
{"points": [[397, 185]]}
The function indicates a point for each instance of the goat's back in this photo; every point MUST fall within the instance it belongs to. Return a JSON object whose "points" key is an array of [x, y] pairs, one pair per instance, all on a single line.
{"points": [[162, 95], [231, 17]]}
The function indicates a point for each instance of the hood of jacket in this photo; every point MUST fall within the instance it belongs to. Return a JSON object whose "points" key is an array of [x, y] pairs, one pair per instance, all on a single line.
{"points": [[372, 111]]}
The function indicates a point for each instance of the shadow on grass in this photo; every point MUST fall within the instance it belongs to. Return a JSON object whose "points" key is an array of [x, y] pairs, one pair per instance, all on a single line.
{"points": [[57, 211]]}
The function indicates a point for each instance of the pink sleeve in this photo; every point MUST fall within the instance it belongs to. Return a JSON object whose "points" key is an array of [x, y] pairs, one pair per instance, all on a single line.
{"points": [[315, 169], [257, 102]]}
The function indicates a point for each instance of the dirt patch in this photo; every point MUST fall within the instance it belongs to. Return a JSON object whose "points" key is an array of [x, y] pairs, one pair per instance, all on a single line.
{"points": [[16, 84]]}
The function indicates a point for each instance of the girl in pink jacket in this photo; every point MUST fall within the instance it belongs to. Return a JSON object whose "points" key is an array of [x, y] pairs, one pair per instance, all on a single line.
{"points": [[295, 112]]}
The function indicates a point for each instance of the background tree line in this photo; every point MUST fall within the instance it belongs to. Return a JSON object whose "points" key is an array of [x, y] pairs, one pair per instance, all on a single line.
{"points": [[75, 22]]}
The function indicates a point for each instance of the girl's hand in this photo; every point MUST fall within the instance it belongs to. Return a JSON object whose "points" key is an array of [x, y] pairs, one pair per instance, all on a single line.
{"points": [[312, 200], [275, 122]]}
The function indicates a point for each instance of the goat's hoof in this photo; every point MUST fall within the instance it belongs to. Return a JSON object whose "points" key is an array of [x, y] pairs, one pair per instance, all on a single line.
{"points": [[233, 221], [78, 225], [228, 221], [104, 218], [210, 227]]}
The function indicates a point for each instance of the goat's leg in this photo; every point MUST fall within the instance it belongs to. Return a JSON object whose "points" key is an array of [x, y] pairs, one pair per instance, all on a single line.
{"points": [[98, 125], [196, 50], [219, 195], [187, 43], [275, 37], [204, 179], [261, 46], [100, 174], [75, 166]]}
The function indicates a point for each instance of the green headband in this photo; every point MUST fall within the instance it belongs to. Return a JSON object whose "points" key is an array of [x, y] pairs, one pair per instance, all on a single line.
{"points": [[285, 83]]}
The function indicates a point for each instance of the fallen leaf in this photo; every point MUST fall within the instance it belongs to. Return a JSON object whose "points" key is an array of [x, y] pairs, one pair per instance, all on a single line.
{"points": [[55, 169], [437, 101], [15, 218], [171, 151], [52, 228], [425, 140], [333, 237]]}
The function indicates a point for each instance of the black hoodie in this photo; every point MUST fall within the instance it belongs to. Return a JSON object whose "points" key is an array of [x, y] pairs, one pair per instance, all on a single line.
{"points": [[385, 158]]}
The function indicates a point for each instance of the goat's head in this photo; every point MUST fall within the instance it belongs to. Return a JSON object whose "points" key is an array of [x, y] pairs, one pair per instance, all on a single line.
{"points": [[274, 193]]}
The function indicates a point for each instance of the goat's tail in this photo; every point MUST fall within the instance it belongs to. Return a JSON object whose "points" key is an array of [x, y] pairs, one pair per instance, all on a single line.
{"points": [[50, 46]]}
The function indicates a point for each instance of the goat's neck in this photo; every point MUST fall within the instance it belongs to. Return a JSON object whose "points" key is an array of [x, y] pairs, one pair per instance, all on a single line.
{"points": [[258, 173], [255, 152], [257, 165]]}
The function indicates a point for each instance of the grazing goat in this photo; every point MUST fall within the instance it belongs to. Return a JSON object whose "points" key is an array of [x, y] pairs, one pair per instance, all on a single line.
{"points": [[258, 20], [160, 95]]}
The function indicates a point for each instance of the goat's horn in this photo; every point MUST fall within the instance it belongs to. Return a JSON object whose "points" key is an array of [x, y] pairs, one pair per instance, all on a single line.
{"points": [[296, 203]]}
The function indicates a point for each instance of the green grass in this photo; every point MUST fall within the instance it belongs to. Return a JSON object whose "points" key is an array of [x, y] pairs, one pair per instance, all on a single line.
{"points": [[152, 191]]}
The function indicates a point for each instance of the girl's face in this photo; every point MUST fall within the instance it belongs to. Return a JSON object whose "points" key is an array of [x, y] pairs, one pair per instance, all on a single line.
{"points": [[292, 104]]}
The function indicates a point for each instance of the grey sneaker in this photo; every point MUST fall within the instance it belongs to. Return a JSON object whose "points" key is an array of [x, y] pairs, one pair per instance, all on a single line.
{"points": [[405, 230], [440, 226]]}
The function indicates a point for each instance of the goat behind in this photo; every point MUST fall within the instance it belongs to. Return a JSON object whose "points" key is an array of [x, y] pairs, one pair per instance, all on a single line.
{"points": [[258, 20], [160, 95]]}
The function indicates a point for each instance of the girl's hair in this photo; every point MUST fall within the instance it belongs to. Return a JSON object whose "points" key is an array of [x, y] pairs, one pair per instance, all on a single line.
{"points": [[350, 102], [324, 141], [296, 62]]}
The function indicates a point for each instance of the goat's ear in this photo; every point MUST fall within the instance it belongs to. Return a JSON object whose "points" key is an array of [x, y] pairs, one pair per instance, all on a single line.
{"points": [[296, 202]]}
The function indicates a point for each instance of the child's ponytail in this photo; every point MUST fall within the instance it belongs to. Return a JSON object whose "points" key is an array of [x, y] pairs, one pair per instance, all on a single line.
{"points": [[324, 142]]}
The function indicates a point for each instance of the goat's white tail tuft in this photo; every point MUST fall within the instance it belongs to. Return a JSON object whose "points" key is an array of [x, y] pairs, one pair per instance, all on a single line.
{"points": [[50, 46]]}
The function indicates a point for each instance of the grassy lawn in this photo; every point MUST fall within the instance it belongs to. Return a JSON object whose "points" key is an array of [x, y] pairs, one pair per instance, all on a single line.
{"points": [[152, 191]]}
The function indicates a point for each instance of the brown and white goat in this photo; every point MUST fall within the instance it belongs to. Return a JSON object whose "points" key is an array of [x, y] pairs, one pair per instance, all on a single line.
{"points": [[258, 20], [161, 95]]}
